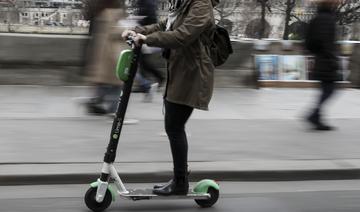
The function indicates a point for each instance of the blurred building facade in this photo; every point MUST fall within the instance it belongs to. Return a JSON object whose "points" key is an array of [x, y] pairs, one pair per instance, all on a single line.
{"points": [[42, 12], [240, 17], [50, 16]]}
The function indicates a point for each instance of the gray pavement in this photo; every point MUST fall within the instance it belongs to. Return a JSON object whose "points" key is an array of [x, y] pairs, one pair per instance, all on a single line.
{"points": [[233, 103], [247, 134]]}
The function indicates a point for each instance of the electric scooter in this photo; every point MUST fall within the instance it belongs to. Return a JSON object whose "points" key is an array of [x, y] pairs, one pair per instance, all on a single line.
{"points": [[101, 194]]}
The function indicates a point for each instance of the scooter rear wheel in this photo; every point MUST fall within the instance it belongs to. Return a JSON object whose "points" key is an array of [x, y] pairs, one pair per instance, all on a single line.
{"points": [[92, 204], [207, 203]]}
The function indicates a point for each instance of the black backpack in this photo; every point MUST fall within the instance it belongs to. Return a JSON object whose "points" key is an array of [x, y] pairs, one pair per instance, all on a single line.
{"points": [[220, 46]]}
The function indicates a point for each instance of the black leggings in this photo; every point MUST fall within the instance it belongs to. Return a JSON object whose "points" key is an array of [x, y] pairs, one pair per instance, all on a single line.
{"points": [[327, 90], [176, 116]]}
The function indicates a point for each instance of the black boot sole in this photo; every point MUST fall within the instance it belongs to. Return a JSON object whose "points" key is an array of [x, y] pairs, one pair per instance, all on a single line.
{"points": [[180, 193]]}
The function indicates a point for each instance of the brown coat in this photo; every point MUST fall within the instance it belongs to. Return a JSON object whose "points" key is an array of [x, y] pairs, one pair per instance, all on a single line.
{"points": [[190, 69], [106, 44]]}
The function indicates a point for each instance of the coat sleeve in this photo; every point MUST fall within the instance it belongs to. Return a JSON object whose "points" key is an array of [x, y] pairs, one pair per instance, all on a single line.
{"points": [[145, 30], [198, 19], [326, 31]]}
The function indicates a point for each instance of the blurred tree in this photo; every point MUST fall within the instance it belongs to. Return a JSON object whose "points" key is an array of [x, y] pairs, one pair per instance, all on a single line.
{"points": [[254, 27], [347, 13], [224, 10], [289, 7], [265, 6]]}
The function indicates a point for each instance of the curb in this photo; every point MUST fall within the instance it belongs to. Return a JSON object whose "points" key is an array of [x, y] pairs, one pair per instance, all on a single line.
{"points": [[148, 177]]}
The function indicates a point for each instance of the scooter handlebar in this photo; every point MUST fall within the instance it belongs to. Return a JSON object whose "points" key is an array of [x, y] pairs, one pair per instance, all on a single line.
{"points": [[130, 40]]}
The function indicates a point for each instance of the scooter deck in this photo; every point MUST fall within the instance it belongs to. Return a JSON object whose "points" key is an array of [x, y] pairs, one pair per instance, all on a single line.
{"points": [[146, 194]]}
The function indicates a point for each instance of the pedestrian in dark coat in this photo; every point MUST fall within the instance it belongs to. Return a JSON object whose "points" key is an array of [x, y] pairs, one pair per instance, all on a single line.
{"points": [[147, 9], [190, 75], [321, 41]]}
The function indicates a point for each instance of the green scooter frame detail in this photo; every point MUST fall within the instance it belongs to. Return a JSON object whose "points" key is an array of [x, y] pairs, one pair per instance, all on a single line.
{"points": [[110, 188], [204, 185], [124, 64]]}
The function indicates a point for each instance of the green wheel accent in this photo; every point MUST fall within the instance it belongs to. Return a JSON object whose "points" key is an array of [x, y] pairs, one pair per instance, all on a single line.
{"points": [[110, 188], [94, 185], [203, 185], [124, 64], [207, 203]]}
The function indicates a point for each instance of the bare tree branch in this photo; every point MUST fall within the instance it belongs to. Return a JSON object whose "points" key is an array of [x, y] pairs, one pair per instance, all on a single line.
{"points": [[347, 12]]}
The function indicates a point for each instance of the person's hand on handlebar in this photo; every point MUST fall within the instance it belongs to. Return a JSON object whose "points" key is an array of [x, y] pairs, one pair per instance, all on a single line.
{"points": [[136, 37], [128, 33], [139, 39]]}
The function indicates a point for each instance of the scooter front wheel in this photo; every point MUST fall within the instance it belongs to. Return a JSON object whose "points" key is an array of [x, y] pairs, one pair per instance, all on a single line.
{"points": [[207, 203], [92, 204]]}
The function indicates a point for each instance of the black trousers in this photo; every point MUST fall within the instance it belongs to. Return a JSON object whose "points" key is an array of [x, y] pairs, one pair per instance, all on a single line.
{"points": [[108, 96], [327, 90], [147, 68], [176, 116]]}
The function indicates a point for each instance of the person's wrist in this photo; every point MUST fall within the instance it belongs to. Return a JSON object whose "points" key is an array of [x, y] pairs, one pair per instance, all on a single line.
{"points": [[142, 37]]}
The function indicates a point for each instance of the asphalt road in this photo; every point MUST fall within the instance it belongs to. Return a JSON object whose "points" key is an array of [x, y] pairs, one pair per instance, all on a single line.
{"points": [[310, 196]]}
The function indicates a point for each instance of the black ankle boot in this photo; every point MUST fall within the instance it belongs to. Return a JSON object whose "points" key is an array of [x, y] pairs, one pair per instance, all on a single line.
{"points": [[324, 127], [314, 119], [162, 185], [177, 186]]}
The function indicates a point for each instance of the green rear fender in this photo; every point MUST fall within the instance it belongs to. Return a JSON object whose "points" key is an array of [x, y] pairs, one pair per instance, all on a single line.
{"points": [[203, 185], [124, 64], [110, 188]]}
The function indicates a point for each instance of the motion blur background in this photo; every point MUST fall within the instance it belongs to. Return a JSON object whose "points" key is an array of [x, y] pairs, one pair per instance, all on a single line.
{"points": [[253, 131], [45, 41]]}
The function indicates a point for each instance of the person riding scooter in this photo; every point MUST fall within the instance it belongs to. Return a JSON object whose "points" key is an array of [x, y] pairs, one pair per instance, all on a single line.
{"points": [[190, 75]]}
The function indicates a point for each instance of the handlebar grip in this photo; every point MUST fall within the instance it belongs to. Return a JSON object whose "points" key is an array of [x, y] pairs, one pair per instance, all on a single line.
{"points": [[130, 40]]}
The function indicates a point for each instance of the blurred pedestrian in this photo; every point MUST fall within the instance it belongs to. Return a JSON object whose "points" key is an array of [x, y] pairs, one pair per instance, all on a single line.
{"points": [[190, 75], [321, 41], [105, 47], [147, 12]]}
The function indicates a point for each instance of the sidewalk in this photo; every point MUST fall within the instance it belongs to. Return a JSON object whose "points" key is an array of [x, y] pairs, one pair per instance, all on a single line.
{"points": [[268, 103], [247, 135]]}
